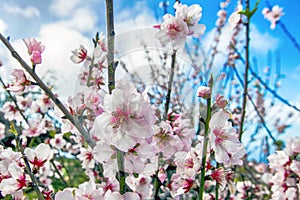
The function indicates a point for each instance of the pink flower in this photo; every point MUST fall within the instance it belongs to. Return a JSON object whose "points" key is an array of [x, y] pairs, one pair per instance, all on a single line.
{"points": [[35, 49], [220, 177], [39, 156], [79, 55], [273, 15], [180, 185], [66, 194], [222, 137], [293, 145], [88, 190], [86, 158], [220, 101], [189, 164], [11, 112], [17, 180], [2, 131], [173, 30], [116, 195], [127, 118], [19, 81], [58, 141], [141, 185], [204, 92], [36, 127], [191, 15]]}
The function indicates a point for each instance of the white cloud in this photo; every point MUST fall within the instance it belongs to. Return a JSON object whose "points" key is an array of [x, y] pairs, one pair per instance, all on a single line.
{"points": [[296, 74], [63, 8], [29, 11], [133, 18], [59, 42], [262, 42], [3, 26], [82, 19]]}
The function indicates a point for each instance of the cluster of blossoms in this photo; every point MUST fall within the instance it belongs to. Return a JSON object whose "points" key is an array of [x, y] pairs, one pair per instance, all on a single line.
{"points": [[273, 15], [285, 166], [158, 158], [13, 176], [176, 28]]}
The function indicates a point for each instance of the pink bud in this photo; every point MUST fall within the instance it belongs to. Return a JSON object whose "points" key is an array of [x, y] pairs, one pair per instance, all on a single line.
{"points": [[220, 101], [204, 92], [36, 57]]}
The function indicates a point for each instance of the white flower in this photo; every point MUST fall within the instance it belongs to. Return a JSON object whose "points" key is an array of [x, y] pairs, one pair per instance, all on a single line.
{"points": [[127, 117], [79, 55], [173, 30], [86, 158], [17, 181], [191, 15], [273, 15], [223, 140], [39, 156]]}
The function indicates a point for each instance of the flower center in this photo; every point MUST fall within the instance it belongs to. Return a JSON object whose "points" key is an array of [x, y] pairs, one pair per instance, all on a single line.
{"points": [[118, 117], [220, 136]]}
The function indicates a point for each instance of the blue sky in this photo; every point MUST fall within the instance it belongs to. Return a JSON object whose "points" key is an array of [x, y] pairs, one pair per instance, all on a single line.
{"points": [[62, 25]]}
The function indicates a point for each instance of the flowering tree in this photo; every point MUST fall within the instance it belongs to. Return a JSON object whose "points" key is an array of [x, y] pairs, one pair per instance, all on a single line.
{"points": [[112, 140]]}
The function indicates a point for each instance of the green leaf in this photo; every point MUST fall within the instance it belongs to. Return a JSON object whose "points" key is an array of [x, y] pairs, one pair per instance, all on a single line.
{"points": [[249, 13], [52, 133], [12, 129]]}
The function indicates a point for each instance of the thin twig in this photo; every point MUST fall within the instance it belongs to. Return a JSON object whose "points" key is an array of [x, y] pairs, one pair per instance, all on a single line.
{"points": [[273, 92], [170, 83], [205, 145], [58, 172], [255, 108], [247, 52]]}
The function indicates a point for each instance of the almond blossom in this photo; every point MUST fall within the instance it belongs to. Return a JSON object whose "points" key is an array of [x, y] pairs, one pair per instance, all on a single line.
{"points": [[11, 112], [180, 185], [39, 156], [17, 180], [79, 55], [86, 157], [273, 15], [2, 131], [176, 28], [88, 190], [204, 92], [19, 81], [35, 49], [191, 15], [223, 140], [127, 117], [173, 30], [220, 101], [36, 127], [285, 180], [141, 185]]}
